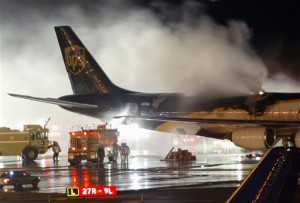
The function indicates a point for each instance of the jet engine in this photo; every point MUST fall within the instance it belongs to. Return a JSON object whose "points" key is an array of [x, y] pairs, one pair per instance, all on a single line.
{"points": [[255, 137], [297, 139]]}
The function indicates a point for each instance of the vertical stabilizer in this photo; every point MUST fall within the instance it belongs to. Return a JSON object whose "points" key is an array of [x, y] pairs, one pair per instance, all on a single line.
{"points": [[86, 76], [274, 179]]}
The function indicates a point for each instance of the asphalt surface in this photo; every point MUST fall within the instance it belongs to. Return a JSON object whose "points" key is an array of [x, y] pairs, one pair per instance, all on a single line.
{"points": [[141, 173], [167, 195], [212, 178]]}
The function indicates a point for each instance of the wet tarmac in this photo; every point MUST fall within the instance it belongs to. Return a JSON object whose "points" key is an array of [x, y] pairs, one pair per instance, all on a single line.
{"points": [[141, 174]]}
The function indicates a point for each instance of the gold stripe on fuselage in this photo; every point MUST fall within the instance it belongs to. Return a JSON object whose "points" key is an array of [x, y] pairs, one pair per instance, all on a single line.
{"points": [[282, 110]]}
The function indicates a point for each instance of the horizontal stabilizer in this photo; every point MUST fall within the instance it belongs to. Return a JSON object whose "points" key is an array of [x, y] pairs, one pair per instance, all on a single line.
{"points": [[59, 102]]}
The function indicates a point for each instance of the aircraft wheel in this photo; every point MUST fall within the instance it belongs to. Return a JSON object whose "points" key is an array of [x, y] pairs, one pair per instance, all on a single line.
{"points": [[30, 153]]}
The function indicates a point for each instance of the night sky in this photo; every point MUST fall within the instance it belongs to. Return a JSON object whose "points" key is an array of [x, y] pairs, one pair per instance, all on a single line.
{"points": [[224, 47], [275, 30], [274, 26]]}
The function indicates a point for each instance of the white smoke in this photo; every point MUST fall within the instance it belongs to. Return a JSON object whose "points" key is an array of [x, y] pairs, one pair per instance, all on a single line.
{"points": [[140, 53], [134, 47]]}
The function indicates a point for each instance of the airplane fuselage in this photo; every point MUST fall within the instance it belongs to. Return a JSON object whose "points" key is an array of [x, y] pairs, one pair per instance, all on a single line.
{"points": [[249, 121], [269, 106]]}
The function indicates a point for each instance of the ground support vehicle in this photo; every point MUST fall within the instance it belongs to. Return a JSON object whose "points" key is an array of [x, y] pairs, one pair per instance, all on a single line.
{"points": [[86, 140], [18, 178], [30, 142], [180, 155]]}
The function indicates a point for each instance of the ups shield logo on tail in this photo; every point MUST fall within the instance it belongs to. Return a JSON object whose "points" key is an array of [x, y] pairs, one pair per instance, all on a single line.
{"points": [[75, 59]]}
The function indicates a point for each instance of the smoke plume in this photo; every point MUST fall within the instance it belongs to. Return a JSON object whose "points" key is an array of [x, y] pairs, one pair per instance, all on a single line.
{"points": [[138, 49]]}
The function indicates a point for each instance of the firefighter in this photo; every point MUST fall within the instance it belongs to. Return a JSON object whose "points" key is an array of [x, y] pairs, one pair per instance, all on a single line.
{"points": [[101, 153], [122, 151], [127, 152], [56, 149], [110, 157], [115, 152]]}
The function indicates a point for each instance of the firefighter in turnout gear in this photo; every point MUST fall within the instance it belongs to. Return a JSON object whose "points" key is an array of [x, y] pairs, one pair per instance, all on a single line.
{"points": [[125, 151], [115, 152], [110, 157], [101, 153], [56, 149]]}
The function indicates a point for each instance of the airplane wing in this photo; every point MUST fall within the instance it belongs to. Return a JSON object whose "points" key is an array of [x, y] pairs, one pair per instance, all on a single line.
{"points": [[277, 123], [60, 102]]}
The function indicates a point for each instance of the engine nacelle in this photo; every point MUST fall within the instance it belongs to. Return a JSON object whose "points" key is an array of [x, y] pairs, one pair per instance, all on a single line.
{"points": [[297, 139], [254, 137]]}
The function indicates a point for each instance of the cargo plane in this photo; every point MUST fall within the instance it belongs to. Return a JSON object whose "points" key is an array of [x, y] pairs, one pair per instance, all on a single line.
{"points": [[253, 121]]}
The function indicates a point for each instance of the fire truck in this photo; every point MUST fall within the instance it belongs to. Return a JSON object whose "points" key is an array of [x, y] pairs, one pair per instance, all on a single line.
{"points": [[85, 141], [30, 142]]}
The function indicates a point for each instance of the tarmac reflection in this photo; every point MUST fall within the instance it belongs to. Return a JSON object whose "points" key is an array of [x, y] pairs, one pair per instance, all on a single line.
{"points": [[142, 172], [80, 176]]}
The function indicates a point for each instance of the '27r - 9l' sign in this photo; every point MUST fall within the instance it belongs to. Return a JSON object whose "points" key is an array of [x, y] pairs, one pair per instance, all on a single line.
{"points": [[92, 191]]}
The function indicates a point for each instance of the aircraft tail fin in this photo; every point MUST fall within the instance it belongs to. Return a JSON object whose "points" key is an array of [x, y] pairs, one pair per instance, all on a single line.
{"points": [[85, 75], [274, 179]]}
